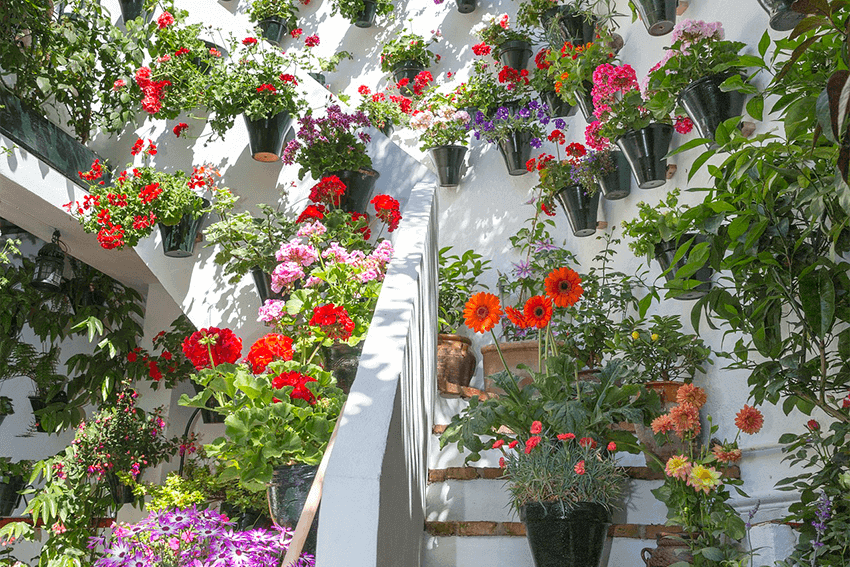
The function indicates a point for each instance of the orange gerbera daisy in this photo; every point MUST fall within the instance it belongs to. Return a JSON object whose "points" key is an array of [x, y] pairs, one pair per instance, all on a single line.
{"points": [[538, 311], [516, 317], [563, 286], [482, 312], [691, 394], [749, 420]]}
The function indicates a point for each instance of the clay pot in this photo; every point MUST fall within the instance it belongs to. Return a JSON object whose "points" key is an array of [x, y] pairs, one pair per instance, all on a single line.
{"points": [[515, 353], [455, 362], [669, 549]]}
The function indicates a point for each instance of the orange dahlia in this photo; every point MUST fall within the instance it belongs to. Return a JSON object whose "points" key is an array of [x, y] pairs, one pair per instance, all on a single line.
{"points": [[726, 454], [538, 311], [749, 420], [516, 317], [662, 424], [685, 419], [692, 395], [563, 286], [482, 312]]}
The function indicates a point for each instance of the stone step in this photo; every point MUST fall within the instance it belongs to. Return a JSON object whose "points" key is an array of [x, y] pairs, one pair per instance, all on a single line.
{"points": [[517, 529], [472, 473]]}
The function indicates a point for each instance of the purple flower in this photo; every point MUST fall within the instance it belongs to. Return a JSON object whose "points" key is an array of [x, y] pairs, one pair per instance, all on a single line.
{"points": [[545, 245], [560, 124], [536, 143], [502, 113], [524, 113], [522, 269]]}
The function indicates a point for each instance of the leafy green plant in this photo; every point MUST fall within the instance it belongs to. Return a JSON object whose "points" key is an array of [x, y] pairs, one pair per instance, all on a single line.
{"points": [[440, 122], [494, 31], [572, 66], [384, 108], [458, 277], [286, 10], [656, 224], [351, 9], [21, 469], [408, 47], [6, 407]]}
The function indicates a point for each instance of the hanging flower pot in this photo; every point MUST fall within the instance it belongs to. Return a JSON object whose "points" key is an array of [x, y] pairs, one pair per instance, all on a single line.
{"points": [[455, 362], [585, 102], [287, 493], [178, 240], [366, 17], [132, 9], [666, 251], [516, 151], [466, 6], [266, 136], [204, 65], [515, 54], [782, 17], [319, 77], [581, 208], [387, 128], [449, 163], [645, 150], [564, 24], [708, 106], [659, 16], [274, 29], [558, 107], [561, 534], [359, 186], [617, 184], [407, 70], [208, 415], [10, 495], [121, 493], [263, 281], [343, 360]]}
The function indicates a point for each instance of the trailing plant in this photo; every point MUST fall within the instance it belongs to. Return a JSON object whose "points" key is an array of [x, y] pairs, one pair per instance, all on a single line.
{"points": [[458, 276], [286, 10], [507, 121]]}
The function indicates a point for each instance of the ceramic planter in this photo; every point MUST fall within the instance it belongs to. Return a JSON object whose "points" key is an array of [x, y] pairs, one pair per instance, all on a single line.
{"points": [[178, 240], [245, 519], [366, 17], [266, 135], [10, 494], [560, 534], [263, 282], [359, 186], [466, 6], [515, 54], [782, 17], [659, 16], [132, 9], [585, 102], [455, 362], [515, 353], [516, 151], [287, 493], [666, 251], [564, 24], [581, 208], [319, 77], [449, 163], [342, 361], [407, 70], [387, 128], [645, 150], [558, 107], [274, 29], [708, 106], [617, 184]]}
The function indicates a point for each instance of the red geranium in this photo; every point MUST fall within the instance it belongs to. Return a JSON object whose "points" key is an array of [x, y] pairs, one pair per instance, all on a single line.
{"points": [[312, 212], [386, 209], [224, 347], [481, 49], [268, 349], [328, 190], [334, 321], [180, 128], [298, 382]]}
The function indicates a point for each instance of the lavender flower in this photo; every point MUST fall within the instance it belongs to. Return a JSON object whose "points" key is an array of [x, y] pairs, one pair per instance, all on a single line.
{"points": [[751, 514]]}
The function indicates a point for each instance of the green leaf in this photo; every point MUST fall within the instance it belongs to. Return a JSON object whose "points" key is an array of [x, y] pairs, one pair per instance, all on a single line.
{"points": [[764, 43], [755, 107], [817, 296], [712, 553]]}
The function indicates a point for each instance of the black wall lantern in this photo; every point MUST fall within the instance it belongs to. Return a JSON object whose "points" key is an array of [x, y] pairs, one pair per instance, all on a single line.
{"points": [[49, 266]]}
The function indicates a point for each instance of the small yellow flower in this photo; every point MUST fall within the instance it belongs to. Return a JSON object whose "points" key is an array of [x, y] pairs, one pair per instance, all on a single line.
{"points": [[654, 336], [635, 335]]}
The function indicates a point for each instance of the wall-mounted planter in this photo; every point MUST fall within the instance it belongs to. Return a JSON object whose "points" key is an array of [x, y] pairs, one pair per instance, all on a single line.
{"points": [[120, 492], [38, 403], [274, 30], [558, 107], [207, 413], [366, 17], [564, 24], [581, 208], [287, 494], [516, 151], [449, 163], [645, 150], [319, 77], [10, 494], [617, 184], [515, 54], [466, 6], [359, 186], [708, 106], [585, 102], [178, 240], [666, 251], [132, 9], [263, 281], [266, 135], [203, 65], [659, 16], [782, 17], [407, 70]]}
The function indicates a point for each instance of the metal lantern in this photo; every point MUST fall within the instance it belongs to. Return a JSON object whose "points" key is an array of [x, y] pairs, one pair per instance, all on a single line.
{"points": [[49, 266]]}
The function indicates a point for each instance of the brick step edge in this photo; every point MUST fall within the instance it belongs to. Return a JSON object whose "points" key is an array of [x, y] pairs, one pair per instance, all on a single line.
{"points": [[517, 529], [495, 473], [439, 429], [449, 390]]}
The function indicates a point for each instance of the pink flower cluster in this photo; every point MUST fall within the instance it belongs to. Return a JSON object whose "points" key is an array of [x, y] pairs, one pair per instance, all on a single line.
{"points": [[152, 90], [692, 31], [293, 257]]}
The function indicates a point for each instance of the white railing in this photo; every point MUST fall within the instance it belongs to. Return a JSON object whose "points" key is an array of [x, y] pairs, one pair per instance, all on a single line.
{"points": [[373, 504]]}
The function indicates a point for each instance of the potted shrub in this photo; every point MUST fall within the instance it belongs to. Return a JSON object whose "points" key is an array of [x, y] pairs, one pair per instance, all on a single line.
{"points": [[701, 72], [275, 18], [361, 13], [458, 277], [408, 55], [260, 84], [332, 145], [444, 132], [516, 129], [13, 478], [643, 134], [6, 408], [143, 197], [545, 86], [385, 110], [509, 46], [661, 232], [575, 22], [695, 495], [572, 66]]}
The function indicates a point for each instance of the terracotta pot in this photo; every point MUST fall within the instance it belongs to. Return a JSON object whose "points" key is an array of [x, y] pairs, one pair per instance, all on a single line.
{"points": [[669, 549], [666, 390], [515, 353], [455, 362]]}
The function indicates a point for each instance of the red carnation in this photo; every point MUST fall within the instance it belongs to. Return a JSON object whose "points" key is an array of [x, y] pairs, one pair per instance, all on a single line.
{"points": [[224, 347]]}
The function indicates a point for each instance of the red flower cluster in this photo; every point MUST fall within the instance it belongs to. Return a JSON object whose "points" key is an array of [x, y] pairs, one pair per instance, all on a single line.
{"points": [[540, 59], [149, 193], [288, 78], [364, 230], [386, 209], [180, 128], [404, 103], [182, 51], [226, 348], [512, 76], [421, 82], [152, 90], [141, 222], [684, 125], [298, 382], [312, 212], [249, 41], [328, 190], [296, 33], [268, 349], [558, 137], [165, 20], [481, 49], [539, 163], [364, 90], [96, 172], [112, 237], [334, 321], [266, 87], [311, 40]]}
